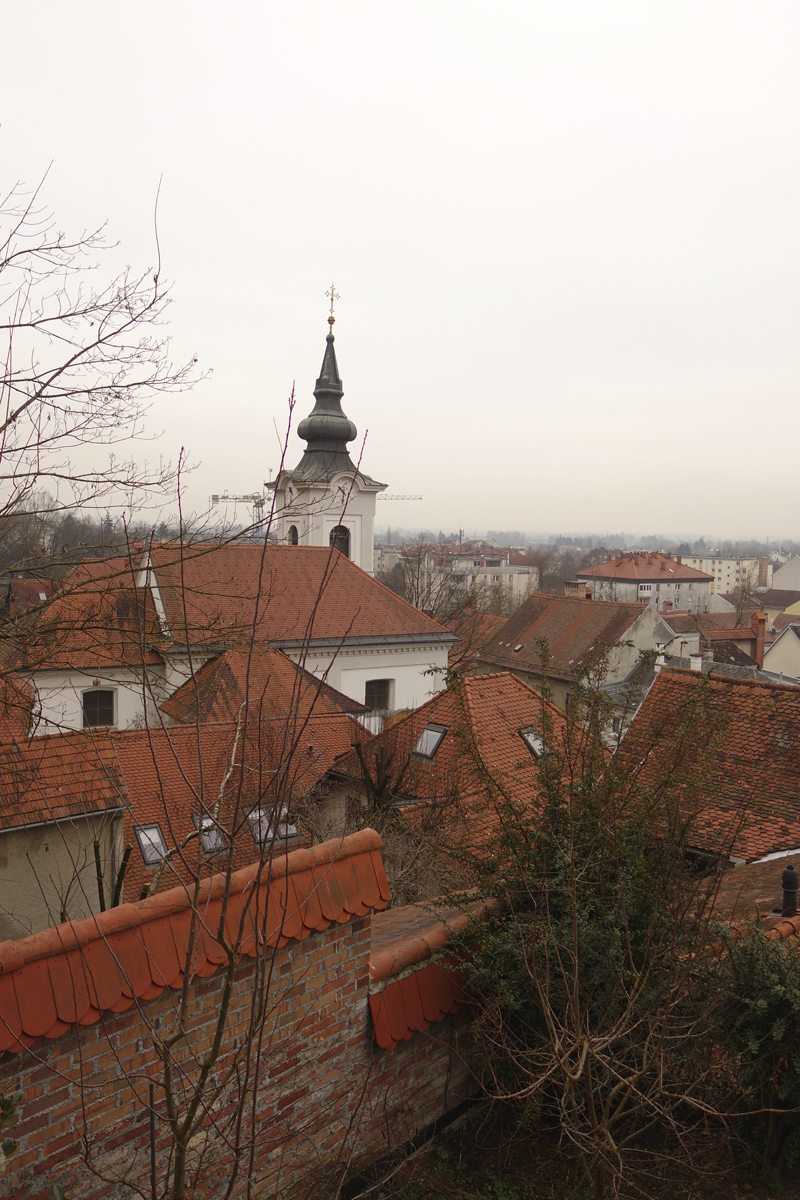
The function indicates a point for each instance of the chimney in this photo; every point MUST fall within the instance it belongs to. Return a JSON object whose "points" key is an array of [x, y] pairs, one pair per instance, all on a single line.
{"points": [[680, 559], [758, 623], [789, 886], [660, 660], [696, 662]]}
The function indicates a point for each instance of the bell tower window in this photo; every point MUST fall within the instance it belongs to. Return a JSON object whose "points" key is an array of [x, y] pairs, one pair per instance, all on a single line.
{"points": [[292, 535], [340, 539]]}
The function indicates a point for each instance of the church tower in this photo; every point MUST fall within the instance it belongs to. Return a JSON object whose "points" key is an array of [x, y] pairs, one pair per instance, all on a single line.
{"points": [[326, 500]]}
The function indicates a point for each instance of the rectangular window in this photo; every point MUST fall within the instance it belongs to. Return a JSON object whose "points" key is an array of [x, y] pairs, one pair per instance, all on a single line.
{"points": [[377, 694], [429, 740], [533, 740], [151, 844], [212, 836], [259, 821], [98, 708]]}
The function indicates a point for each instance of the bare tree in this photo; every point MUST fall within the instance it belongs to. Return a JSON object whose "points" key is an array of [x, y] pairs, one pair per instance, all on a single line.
{"points": [[82, 359]]}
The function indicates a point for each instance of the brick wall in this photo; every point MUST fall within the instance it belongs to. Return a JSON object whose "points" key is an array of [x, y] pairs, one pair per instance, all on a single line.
{"points": [[325, 1096]]}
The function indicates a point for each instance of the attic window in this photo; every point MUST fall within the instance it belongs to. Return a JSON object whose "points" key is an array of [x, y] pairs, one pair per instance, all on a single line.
{"points": [[98, 708], [259, 821], [151, 843], [518, 648], [533, 740], [212, 836], [430, 740], [42, 595]]}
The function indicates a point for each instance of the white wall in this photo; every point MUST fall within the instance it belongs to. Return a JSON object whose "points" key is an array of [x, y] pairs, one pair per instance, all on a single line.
{"points": [[315, 511], [60, 697], [687, 597], [787, 577], [418, 671]]}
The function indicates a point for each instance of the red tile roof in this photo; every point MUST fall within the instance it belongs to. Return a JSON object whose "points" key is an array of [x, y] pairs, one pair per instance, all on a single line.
{"points": [[784, 620], [481, 753], [305, 592], [779, 598], [686, 622], [473, 631], [170, 776], [16, 708], [272, 683], [99, 619], [644, 567], [746, 736], [575, 630], [110, 962], [24, 594]]}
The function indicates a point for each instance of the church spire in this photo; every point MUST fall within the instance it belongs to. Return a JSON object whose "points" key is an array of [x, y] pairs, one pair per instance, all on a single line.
{"points": [[326, 430]]}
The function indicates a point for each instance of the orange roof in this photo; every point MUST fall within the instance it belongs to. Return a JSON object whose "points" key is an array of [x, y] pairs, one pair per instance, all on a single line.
{"points": [[660, 568], [473, 630], [272, 683], [170, 776], [16, 707], [744, 737], [113, 961], [575, 631], [304, 593], [99, 619], [482, 751]]}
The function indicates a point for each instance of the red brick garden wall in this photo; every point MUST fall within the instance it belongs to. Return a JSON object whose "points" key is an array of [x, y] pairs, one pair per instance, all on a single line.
{"points": [[327, 1097]]}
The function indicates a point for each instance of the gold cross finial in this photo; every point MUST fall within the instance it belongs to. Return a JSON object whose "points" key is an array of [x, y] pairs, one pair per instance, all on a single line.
{"points": [[334, 295]]}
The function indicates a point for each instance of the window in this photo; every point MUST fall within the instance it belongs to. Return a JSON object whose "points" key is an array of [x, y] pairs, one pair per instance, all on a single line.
{"points": [[151, 843], [259, 821], [518, 647], [533, 740], [292, 535], [340, 539], [98, 708], [212, 836], [495, 579], [430, 740], [377, 694]]}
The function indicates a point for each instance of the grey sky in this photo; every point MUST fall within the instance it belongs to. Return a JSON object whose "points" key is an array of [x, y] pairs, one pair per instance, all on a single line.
{"points": [[565, 236]]}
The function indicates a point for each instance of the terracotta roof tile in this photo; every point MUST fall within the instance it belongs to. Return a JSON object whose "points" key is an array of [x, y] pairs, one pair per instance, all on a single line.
{"points": [[77, 971], [747, 803], [660, 567], [305, 592], [575, 630], [273, 685], [482, 749]]}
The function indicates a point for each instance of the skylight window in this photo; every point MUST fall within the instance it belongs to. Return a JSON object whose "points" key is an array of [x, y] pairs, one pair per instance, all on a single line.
{"points": [[533, 740], [430, 740], [259, 821], [151, 843], [212, 836], [518, 648]]}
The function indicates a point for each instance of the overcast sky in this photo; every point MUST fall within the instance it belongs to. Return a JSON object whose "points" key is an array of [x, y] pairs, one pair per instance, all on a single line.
{"points": [[566, 238]]}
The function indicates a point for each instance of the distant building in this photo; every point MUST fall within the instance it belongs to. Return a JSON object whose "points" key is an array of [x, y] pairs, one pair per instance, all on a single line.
{"points": [[577, 633], [730, 574], [787, 577], [663, 582]]}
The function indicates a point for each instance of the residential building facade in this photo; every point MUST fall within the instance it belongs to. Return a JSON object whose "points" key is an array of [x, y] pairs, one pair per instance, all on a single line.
{"points": [[665, 583]]}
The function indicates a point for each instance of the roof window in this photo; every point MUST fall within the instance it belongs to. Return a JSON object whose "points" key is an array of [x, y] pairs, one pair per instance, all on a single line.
{"points": [[533, 740], [212, 836], [517, 648], [151, 843], [259, 821], [430, 740]]}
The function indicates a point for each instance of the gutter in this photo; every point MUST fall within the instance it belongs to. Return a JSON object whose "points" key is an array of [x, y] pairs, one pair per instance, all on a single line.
{"points": [[391, 639], [82, 816]]}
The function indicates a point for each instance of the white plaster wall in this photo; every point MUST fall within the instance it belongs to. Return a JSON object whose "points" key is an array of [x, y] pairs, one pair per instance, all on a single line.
{"points": [[787, 577], [783, 656], [692, 597], [418, 671], [48, 871], [60, 703], [317, 510]]}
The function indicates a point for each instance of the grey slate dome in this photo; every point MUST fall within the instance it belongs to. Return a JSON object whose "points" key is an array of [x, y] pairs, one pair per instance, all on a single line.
{"points": [[327, 430]]}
